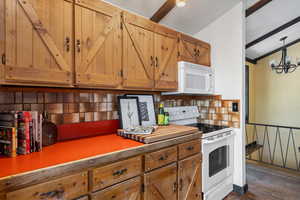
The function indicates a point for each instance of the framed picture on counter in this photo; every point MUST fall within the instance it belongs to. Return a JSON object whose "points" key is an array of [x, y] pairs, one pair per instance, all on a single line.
{"points": [[129, 112], [146, 108]]}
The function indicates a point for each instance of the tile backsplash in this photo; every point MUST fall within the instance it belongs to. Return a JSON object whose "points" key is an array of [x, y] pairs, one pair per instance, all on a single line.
{"points": [[85, 106]]}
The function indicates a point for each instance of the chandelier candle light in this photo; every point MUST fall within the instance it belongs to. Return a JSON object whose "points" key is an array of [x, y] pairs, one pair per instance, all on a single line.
{"points": [[285, 65], [180, 3]]}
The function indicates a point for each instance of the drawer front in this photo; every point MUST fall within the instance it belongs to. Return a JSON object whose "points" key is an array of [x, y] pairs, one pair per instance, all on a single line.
{"points": [[66, 188], [189, 148], [130, 190], [114, 173], [160, 158]]}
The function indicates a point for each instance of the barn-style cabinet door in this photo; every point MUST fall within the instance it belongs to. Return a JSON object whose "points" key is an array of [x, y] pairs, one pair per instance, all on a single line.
{"points": [[138, 52], [194, 51], [161, 184], [189, 179], [38, 42], [98, 47], [166, 56]]}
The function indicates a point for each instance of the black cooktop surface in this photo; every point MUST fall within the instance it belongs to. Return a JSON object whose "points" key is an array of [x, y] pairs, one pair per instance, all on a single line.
{"points": [[207, 128]]}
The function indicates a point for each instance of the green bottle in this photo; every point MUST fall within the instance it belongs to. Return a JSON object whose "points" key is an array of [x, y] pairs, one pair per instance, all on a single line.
{"points": [[161, 115], [167, 119]]}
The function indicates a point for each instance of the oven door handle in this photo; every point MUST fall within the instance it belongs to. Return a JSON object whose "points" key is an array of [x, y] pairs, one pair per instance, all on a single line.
{"points": [[206, 141]]}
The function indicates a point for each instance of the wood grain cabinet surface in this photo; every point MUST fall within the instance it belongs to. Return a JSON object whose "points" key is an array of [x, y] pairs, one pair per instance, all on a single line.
{"points": [[160, 158], [98, 47], [189, 148], [116, 172], [90, 43], [38, 42], [189, 178], [194, 51], [67, 188], [128, 190], [161, 184]]}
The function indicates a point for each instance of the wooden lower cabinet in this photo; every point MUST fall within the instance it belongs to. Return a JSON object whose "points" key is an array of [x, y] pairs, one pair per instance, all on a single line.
{"points": [[189, 178], [66, 188], [158, 175], [128, 190], [161, 184]]}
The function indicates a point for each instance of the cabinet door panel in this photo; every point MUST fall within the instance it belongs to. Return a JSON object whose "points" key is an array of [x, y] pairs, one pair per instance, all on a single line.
{"points": [[129, 190], [189, 178], [161, 184], [138, 50], [38, 42], [203, 55], [166, 69], [187, 51], [97, 45]]}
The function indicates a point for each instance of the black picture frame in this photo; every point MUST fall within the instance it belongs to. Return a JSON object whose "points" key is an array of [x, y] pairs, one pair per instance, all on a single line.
{"points": [[121, 114], [153, 114]]}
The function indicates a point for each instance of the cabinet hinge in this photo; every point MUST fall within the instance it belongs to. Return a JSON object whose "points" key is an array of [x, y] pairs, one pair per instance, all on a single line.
{"points": [[3, 59], [121, 23], [121, 73], [143, 188]]}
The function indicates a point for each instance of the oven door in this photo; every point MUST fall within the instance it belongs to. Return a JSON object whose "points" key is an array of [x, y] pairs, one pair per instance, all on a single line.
{"points": [[217, 160]]}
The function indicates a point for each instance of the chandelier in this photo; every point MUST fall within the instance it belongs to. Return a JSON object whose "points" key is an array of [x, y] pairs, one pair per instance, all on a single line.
{"points": [[285, 65]]}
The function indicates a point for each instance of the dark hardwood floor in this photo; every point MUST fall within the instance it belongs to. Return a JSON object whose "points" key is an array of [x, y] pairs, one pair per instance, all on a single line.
{"points": [[267, 183]]}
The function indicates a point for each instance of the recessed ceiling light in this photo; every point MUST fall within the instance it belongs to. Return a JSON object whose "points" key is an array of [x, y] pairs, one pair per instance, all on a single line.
{"points": [[180, 3]]}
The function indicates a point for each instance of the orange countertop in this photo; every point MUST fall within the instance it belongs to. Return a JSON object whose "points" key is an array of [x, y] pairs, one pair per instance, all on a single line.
{"points": [[64, 152]]}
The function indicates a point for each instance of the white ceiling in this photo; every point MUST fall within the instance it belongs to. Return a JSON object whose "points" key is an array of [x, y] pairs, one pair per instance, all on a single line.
{"points": [[190, 19], [271, 16]]}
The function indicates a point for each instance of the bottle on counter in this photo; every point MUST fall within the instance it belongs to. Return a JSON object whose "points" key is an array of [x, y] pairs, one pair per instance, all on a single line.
{"points": [[161, 115], [166, 119]]}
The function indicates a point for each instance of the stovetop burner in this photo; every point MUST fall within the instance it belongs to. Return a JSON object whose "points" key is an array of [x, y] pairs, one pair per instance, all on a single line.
{"points": [[207, 128]]}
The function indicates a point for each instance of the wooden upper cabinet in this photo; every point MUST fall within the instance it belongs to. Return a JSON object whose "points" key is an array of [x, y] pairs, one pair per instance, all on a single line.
{"points": [[38, 42], [98, 47], [166, 55], [194, 51], [189, 178], [138, 52], [161, 184]]}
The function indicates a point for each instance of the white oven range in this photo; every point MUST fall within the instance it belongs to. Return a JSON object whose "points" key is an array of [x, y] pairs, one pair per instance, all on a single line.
{"points": [[217, 152]]}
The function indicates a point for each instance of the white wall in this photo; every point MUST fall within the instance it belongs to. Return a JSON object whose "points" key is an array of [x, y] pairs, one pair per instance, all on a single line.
{"points": [[227, 38]]}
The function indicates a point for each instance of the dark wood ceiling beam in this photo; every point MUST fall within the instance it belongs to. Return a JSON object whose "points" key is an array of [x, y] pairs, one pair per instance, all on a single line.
{"points": [[273, 32], [253, 61], [256, 7], [277, 50], [163, 10]]}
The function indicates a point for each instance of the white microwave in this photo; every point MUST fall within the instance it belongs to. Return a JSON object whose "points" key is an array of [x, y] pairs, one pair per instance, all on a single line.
{"points": [[194, 79]]}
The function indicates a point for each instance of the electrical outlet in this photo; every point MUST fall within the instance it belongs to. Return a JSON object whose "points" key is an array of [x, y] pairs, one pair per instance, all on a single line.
{"points": [[235, 107]]}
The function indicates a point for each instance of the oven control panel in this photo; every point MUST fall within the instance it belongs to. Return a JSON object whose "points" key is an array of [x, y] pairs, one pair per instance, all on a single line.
{"points": [[182, 113]]}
